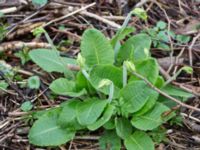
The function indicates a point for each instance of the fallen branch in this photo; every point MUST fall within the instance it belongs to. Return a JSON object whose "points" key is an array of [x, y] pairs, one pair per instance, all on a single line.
{"points": [[16, 45]]}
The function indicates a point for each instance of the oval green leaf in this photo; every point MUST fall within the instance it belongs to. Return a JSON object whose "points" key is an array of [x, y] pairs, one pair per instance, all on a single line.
{"points": [[150, 120], [90, 110], [67, 116], [63, 86], [123, 127], [110, 141], [135, 48], [105, 118], [149, 104], [112, 73], [139, 141], [149, 69], [135, 95], [50, 61], [96, 49], [46, 132]]}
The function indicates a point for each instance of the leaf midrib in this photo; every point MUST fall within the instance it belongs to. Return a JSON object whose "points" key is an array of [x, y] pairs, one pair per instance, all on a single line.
{"points": [[148, 118], [89, 112], [46, 131], [96, 53], [132, 138], [52, 60]]}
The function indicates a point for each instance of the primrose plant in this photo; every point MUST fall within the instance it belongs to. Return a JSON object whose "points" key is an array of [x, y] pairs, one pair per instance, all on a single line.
{"points": [[105, 93]]}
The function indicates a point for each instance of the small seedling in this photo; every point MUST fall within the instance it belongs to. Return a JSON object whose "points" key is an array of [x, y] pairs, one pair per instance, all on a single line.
{"points": [[34, 82], [23, 55], [3, 31], [3, 85], [26, 106]]}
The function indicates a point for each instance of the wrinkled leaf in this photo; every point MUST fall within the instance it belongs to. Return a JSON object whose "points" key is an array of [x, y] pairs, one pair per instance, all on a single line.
{"points": [[109, 140], [110, 125], [136, 95], [149, 104], [139, 141], [96, 49], [102, 120], [83, 83], [135, 48], [150, 120], [63, 86], [149, 69], [100, 72], [90, 110], [46, 112], [67, 116], [50, 61], [46, 132], [123, 127]]}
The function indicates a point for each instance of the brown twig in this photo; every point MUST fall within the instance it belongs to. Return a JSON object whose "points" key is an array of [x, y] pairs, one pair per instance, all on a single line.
{"points": [[76, 37]]}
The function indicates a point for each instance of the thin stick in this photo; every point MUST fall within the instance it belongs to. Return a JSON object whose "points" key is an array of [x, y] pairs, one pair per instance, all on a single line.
{"points": [[115, 17], [190, 48], [68, 15], [8, 10], [164, 73], [104, 20], [165, 94], [191, 117], [141, 3]]}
